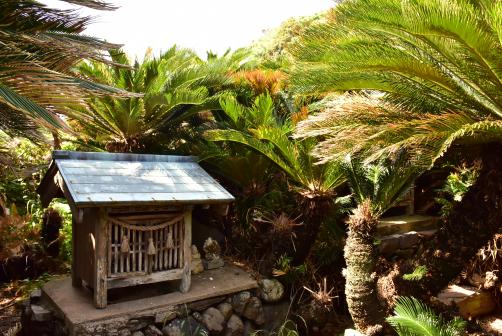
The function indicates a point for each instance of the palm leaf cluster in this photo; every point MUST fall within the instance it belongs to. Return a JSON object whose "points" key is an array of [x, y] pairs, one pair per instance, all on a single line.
{"points": [[176, 85], [413, 318], [260, 128], [39, 47], [381, 184], [438, 64]]}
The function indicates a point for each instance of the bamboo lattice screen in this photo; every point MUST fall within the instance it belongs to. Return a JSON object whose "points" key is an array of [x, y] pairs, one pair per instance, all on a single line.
{"points": [[145, 244]]}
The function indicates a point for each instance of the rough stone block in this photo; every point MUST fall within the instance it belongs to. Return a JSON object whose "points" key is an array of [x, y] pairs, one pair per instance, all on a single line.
{"points": [[226, 310], [388, 244], [35, 296], [235, 326], [40, 314], [270, 290], [213, 264], [254, 311], [408, 239], [213, 319]]}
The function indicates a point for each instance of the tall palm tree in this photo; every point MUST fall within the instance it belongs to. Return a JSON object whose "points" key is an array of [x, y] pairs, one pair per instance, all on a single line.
{"points": [[259, 128], [39, 47], [428, 74], [176, 85], [438, 63], [375, 189]]}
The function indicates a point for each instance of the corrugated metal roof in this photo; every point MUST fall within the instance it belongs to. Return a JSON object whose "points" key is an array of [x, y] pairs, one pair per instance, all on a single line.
{"points": [[114, 179]]}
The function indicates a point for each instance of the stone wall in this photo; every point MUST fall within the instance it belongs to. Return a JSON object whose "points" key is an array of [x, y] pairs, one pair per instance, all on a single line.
{"points": [[231, 315]]}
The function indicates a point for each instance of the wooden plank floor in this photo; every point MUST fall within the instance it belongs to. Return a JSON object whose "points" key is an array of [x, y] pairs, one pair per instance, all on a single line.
{"points": [[76, 303]]}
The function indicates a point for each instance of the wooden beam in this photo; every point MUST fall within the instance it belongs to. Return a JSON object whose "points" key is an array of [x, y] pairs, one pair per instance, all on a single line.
{"points": [[142, 279], [75, 276], [187, 250], [100, 259]]}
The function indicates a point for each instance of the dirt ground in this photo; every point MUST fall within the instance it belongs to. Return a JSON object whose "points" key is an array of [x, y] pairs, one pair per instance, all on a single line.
{"points": [[10, 316]]}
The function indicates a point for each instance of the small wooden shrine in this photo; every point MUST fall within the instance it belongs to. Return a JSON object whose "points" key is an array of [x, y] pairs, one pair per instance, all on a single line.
{"points": [[131, 215]]}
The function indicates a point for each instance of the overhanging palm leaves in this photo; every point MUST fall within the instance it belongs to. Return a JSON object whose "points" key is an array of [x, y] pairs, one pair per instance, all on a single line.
{"points": [[375, 129], [438, 62], [259, 128], [39, 46]]}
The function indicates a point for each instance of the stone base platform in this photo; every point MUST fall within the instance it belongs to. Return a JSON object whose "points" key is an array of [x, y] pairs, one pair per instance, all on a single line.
{"points": [[74, 305]]}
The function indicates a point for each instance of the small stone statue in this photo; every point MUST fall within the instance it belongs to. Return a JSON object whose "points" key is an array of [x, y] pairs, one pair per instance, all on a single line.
{"points": [[212, 256], [197, 266]]}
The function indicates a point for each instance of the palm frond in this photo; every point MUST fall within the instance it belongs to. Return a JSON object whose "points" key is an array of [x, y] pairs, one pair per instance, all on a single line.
{"points": [[426, 54], [383, 183], [40, 46], [413, 318]]}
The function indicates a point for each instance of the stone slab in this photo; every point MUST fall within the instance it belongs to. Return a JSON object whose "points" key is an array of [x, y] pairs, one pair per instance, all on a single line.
{"points": [[75, 304], [402, 224]]}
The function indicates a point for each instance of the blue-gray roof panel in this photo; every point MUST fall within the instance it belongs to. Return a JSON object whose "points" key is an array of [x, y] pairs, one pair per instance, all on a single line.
{"points": [[103, 181]]}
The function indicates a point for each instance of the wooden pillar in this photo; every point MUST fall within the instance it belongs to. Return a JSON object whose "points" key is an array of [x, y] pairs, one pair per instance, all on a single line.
{"points": [[100, 258], [187, 250], [76, 279]]}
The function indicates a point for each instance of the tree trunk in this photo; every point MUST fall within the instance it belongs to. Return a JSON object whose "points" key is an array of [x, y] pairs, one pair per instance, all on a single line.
{"points": [[360, 282], [315, 211]]}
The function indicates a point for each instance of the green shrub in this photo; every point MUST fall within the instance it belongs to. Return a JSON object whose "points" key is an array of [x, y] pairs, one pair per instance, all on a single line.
{"points": [[418, 273]]}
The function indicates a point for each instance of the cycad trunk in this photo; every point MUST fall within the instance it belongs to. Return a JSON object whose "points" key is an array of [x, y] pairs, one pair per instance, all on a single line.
{"points": [[315, 211], [360, 282]]}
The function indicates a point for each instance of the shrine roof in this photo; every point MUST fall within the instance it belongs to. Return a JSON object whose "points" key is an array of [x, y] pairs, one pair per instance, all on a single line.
{"points": [[98, 179]]}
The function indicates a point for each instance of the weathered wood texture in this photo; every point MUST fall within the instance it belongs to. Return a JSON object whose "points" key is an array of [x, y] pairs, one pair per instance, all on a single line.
{"points": [[76, 305], [129, 239], [97, 179], [100, 259], [187, 251]]}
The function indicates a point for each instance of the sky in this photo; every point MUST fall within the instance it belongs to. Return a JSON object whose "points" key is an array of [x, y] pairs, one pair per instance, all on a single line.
{"points": [[201, 25]]}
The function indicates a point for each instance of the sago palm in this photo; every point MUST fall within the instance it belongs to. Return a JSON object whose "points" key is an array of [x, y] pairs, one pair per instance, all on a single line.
{"points": [[175, 85], [413, 318], [39, 47], [438, 64], [375, 189], [259, 128], [436, 68]]}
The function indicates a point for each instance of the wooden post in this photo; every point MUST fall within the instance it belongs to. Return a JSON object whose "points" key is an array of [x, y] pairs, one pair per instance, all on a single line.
{"points": [[100, 259], [76, 279], [187, 250]]}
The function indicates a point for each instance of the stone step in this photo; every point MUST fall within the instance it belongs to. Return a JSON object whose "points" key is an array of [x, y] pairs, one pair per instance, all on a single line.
{"points": [[402, 241], [402, 224], [471, 302]]}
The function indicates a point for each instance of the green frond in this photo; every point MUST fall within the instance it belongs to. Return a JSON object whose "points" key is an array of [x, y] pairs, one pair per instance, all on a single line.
{"points": [[382, 183], [40, 47], [413, 318], [428, 55]]}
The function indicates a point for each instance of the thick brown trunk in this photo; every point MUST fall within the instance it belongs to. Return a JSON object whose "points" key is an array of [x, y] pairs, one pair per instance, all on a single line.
{"points": [[315, 212], [360, 282]]}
